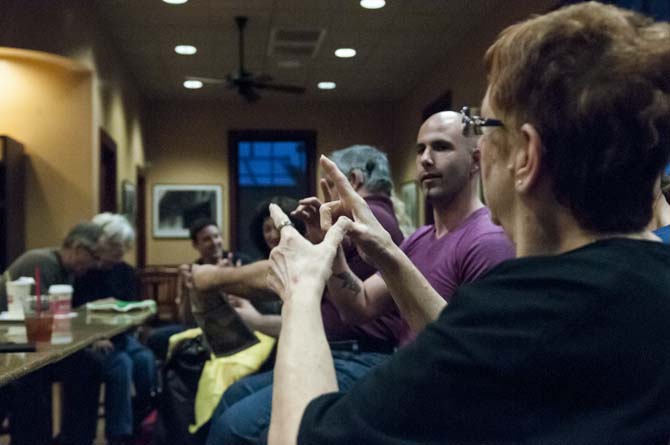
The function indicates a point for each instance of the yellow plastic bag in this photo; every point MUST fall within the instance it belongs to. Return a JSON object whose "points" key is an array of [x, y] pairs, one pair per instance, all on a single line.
{"points": [[219, 373], [179, 337]]}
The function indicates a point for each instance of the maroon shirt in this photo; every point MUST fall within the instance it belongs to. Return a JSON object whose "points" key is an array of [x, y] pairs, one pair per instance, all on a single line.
{"points": [[389, 326], [459, 257]]}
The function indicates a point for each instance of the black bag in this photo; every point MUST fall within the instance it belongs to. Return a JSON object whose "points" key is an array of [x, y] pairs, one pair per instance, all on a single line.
{"points": [[176, 402]]}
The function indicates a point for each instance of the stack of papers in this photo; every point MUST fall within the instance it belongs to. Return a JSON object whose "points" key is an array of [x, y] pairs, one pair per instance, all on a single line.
{"points": [[112, 304]]}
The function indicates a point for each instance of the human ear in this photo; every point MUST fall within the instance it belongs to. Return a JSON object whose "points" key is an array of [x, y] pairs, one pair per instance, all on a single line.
{"points": [[355, 178], [527, 159], [476, 157]]}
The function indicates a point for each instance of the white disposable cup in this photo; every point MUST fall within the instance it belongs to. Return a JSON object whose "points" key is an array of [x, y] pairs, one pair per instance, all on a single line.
{"points": [[62, 331], [16, 291], [61, 299]]}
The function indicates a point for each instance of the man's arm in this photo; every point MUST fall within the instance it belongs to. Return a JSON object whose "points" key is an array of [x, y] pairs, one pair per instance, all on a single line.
{"points": [[418, 302], [357, 301], [269, 324], [248, 281]]}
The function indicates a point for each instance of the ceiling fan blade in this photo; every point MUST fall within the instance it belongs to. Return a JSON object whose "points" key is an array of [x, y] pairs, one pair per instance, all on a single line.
{"points": [[263, 78], [210, 80], [282, 88]]}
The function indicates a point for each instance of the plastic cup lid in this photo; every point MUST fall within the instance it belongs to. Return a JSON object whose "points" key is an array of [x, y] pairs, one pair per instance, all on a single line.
{"points": [[60, 289]]}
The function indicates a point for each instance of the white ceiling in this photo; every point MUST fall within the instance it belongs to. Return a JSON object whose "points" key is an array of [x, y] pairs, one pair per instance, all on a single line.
{"points": [[395, 44]]}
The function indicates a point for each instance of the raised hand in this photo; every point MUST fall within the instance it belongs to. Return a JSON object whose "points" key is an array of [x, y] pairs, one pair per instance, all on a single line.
{"points": [[186, 276], [372, 240], [308, 212], [247, 312], [299, 268], [228, 261]]}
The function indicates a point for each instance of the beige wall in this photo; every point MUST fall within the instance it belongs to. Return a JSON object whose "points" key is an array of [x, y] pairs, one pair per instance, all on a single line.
{"points": [[46, 103], [187, 143], [112, 103]]}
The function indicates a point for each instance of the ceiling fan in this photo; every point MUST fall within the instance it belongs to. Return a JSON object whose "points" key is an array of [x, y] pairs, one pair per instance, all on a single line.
{"points": [[245, 82]]}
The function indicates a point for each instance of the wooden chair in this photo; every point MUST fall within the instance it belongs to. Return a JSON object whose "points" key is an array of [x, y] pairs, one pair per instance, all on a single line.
{"points": [[162, 285]]}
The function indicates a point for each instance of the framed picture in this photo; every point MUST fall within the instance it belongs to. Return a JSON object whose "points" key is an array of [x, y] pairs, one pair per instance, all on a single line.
{"points": [[175, 207], [409, 194], [129, 200]]}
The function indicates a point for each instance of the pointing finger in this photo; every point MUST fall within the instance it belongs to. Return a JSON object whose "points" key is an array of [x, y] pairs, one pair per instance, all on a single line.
{"points": [[326, 212], [325, 189], [342, 185], [336, 234], [281, 220]]}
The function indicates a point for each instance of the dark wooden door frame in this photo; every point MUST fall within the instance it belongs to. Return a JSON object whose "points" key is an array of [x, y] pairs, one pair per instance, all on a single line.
{"points": [[107, 201], [141, 218], [235, 136]]}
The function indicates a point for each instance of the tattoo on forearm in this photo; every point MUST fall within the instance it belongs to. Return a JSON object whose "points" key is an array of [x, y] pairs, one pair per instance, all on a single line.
{"points": [[348, 282]]}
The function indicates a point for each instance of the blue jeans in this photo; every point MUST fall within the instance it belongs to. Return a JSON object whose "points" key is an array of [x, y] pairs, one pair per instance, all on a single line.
{"points": [[129, 363], [244, 410]]}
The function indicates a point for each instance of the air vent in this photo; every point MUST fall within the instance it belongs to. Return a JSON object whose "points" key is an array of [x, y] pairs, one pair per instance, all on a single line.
{"points": [[295, 42]]}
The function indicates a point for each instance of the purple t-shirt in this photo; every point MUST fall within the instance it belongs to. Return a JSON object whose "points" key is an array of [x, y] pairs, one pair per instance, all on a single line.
{"points": [[386, 327], [458, 257]]}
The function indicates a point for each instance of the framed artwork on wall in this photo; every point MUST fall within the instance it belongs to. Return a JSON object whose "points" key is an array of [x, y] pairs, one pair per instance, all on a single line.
{"points": [[129, 200], [175, 207], [409, 194]]}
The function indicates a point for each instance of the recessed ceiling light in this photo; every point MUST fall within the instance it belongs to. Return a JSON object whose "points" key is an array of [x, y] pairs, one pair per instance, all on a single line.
{"points": [[326, 85], [175, 2], [289, 64], [373, 4], [345, 53], [186, 50], [192, 84]]}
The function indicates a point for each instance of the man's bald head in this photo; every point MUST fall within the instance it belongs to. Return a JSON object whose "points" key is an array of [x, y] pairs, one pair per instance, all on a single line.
{"points": [[447, 162], [449, 122]]}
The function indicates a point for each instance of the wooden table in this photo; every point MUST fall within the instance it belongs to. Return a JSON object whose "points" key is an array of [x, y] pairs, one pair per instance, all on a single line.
{"points": [[69, 336]]}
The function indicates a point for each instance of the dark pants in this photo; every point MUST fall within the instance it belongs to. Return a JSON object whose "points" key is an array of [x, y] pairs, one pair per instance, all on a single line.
{"points": [[28, 401]]}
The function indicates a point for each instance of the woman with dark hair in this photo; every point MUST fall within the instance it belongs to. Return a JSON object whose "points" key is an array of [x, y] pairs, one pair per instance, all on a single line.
{"points": [[261, 229]]}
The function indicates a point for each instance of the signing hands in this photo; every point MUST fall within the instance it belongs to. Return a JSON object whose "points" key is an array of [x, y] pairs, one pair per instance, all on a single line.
{"points": [[372, 240], [247, 312], [297, 267], [308, 212]]}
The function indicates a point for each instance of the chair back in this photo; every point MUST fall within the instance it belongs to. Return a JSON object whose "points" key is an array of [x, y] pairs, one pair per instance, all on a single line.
{"points": [[161, 284]]}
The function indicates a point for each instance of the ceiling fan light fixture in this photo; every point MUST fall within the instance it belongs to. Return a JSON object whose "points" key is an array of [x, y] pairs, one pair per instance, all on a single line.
{"points": [[185, 50], [373, 4], [175, 2], [345, 53], [192, 84], [326, 85]]}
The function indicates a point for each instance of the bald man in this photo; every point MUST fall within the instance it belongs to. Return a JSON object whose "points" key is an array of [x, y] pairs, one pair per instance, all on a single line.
{"points": [[458, 247]]}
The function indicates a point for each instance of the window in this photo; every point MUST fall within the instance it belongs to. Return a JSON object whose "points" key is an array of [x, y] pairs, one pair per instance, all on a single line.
{"points": [[265, 164]]}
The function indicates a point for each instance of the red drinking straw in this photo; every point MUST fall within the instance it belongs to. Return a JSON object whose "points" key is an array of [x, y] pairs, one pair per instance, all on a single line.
{"points": [[38, 292]]}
